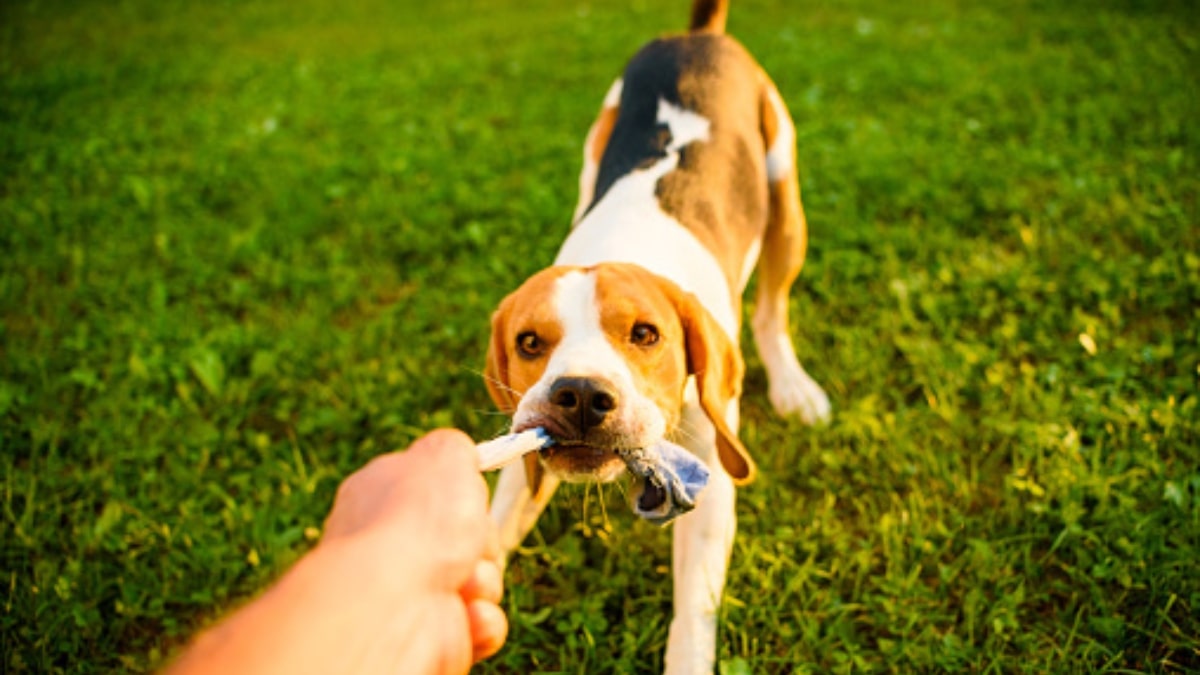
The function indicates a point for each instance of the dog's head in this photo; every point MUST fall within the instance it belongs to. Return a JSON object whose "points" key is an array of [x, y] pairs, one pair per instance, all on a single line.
{"points": [[600, 358]]}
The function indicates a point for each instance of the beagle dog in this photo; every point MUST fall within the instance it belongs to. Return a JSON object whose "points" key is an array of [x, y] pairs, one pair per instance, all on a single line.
{"points": [[689, 184]]}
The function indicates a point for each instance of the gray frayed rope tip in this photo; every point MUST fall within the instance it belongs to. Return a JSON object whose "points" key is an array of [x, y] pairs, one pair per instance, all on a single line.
{"points": [[671, 479]]}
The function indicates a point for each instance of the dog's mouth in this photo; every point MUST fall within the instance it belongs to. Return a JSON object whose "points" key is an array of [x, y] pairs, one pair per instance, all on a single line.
{"points": [[603, 463], [574, 459], [666, 478], [576, 449], [593, 444], [592, 457], [596, 455], [562, 444]]}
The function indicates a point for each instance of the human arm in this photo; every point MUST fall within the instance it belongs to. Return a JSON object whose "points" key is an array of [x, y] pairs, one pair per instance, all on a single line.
{"points": [[405, 579]]}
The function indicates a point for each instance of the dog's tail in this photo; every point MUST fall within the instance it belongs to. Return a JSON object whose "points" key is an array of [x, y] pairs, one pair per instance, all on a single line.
{"points": [[708, 16]]}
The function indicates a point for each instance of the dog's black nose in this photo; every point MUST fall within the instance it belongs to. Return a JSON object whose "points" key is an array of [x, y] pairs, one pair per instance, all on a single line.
{"points": [[584, 400]]}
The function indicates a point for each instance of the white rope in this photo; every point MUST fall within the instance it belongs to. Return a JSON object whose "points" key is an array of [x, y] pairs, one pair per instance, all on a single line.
{"points": [[497, 452]]}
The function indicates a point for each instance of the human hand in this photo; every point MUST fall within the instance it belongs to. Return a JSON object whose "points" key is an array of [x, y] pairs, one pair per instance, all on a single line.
{"points": [[406, 579], [421, 515]]}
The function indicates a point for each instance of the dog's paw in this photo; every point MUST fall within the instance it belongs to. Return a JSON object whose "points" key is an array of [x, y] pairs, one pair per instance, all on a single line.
{"points": [[794, 393]]}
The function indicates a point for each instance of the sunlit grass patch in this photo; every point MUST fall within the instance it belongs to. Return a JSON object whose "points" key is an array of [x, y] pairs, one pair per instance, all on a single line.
{"points": [[247, 247]]}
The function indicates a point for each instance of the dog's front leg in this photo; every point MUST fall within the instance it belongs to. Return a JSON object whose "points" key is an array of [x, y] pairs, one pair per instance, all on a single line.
{"points": [[514, 508], [701, 546]]}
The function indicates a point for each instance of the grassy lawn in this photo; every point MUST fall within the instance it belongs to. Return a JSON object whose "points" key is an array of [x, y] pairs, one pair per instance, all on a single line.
{"points": [[247, 246]]}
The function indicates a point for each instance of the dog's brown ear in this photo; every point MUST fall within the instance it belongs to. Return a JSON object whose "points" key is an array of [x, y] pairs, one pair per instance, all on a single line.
{"points": [[717, 364], [495, 374]]}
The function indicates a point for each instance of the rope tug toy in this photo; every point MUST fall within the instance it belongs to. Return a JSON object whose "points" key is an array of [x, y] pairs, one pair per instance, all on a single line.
{"points": [[671, 477]]}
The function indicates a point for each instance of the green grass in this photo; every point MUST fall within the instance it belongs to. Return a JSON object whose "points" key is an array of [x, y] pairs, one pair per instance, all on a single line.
{"points": [[247, 246]]}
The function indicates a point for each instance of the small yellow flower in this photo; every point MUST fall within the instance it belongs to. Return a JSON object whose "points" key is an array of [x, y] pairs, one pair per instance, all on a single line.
{"points": [[1089, 344]]}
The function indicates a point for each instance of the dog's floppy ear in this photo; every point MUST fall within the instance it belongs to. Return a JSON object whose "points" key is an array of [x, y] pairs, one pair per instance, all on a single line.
{"points": [[495, 374], [717, 364]]}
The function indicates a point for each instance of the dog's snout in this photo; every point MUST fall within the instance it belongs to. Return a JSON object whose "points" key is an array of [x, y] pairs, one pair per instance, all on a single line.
{"points": [[584, 400]]}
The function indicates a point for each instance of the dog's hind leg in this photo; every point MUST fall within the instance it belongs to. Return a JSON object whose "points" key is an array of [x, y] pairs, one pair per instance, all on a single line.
{"points": [[792, 390]]}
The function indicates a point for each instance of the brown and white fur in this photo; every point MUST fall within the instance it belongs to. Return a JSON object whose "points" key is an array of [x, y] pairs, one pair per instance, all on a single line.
{"points": [[689, 182]]}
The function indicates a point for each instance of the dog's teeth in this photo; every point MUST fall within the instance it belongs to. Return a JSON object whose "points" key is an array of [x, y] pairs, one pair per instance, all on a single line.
{"points": [[497, 452]]}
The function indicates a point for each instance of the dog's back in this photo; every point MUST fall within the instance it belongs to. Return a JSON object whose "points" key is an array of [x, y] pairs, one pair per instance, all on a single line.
{"points": [[699, 95], [694, 112]]}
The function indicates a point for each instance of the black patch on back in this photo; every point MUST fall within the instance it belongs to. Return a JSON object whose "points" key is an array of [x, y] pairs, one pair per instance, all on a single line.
{"points": [[638, 140]]}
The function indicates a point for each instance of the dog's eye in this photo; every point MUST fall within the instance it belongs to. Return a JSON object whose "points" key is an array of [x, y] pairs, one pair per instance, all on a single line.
{"points": [[529, 344], [643, 335]]}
